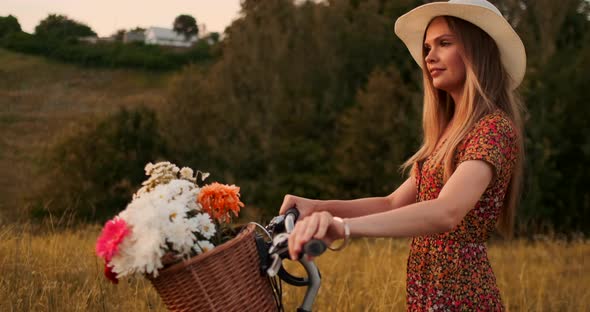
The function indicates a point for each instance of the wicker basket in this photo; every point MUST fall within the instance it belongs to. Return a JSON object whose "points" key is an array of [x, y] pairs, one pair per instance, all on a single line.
{"points": [[227, 278]]}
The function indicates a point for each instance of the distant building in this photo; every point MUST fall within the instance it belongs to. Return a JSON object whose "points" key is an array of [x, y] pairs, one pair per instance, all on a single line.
{"points": [[95, 40], [167, 37], [89, 39], [134, 36]]}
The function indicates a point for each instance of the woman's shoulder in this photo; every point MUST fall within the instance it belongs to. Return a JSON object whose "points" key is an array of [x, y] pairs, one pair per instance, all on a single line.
{"points": [[494, 123], [492, 139]]}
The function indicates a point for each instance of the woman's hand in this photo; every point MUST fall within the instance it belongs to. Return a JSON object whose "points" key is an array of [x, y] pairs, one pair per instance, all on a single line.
{"points": [[319, 225], [305, 206]]}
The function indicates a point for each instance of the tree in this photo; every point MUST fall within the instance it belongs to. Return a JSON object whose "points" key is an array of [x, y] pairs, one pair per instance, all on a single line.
{"points": [[138, 29], [287, 72], [60, 26], [186, 25], [378, 135], [214, 36], [8, 24], [119, 35]]}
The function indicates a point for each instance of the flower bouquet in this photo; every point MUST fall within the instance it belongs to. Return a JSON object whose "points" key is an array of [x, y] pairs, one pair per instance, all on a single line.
{"points": [[178, 235]]}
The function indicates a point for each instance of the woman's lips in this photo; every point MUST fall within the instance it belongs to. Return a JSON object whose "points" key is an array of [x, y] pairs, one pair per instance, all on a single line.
{"points": [[435, 72]]}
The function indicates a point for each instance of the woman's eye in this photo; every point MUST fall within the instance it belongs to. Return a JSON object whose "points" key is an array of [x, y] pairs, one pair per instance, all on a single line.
{"points": [[444, 43]]}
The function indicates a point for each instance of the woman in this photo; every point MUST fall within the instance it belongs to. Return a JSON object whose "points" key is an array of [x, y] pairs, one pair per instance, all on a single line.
{"points": [[464, 179]]}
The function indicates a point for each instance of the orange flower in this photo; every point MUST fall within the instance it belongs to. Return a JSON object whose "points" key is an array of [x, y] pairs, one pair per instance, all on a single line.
{"points": [[219, 199]]}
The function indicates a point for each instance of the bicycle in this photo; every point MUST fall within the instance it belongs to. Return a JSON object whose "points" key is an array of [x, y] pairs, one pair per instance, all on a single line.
{"points": [[272, 254]]}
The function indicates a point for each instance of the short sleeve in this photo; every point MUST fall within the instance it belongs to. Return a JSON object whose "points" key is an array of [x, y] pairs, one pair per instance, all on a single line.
{"points": [[415, 170], [493, 140]]}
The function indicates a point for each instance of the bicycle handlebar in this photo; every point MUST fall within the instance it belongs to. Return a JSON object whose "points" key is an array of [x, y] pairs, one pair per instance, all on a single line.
{"points": [[315, 247]]}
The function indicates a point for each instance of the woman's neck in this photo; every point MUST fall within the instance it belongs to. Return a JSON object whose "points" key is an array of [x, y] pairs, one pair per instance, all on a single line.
{"points": [[456, 95]]}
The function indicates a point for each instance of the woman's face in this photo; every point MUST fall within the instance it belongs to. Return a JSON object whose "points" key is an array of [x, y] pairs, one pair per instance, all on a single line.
{"points": [[443, 60]]}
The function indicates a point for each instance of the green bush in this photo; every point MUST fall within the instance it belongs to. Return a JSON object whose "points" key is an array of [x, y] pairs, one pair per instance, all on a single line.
{"points": [[93, 171], [60, 26]]}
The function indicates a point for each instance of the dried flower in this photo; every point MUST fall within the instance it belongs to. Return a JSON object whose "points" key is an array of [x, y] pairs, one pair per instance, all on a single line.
{"points": [[160, 173], [187, 174]]}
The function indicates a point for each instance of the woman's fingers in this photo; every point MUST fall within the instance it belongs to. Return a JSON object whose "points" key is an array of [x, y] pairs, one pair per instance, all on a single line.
{"points": [[310, 228], [304, 230], [324, 223], [305, 206], [294, 241], [288, 202], [314, 226]]}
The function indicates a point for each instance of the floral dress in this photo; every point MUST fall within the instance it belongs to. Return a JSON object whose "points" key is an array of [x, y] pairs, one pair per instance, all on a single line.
{"points": [[450, 271]]}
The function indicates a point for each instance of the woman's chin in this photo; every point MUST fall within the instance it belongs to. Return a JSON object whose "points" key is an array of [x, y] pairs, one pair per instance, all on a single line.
{"points": [[440, 86], [443, 85]]}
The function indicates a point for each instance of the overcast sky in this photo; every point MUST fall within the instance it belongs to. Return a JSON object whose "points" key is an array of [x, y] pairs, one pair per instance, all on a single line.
{"points": [[106, 16]]}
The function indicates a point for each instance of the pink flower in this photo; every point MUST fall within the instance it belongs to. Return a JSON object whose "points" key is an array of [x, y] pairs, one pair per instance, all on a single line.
{"points": [[113, 233]]}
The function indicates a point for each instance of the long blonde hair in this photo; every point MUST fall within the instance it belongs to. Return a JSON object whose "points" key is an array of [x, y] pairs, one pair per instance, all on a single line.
{"points": [[487, 87]]}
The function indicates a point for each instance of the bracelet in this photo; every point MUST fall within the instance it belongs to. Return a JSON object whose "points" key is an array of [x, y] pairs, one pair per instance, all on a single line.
{"points": [[346, 235]]}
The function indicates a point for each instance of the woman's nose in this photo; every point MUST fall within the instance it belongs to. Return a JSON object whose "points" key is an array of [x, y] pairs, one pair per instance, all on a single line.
{"points": [[431, 56]]}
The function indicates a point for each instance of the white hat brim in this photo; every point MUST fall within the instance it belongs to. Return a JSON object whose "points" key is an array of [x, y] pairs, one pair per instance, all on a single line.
{"points": [[411, 26]]}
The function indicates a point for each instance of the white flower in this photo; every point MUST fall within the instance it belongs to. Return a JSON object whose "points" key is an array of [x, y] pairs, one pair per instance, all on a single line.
{"points": [[203, 246], [193, 205], [205, 225], [180, 234], [139, 253]]}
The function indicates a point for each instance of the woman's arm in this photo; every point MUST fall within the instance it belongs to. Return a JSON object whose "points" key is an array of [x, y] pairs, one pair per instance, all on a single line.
{"points": [[457, 197], [402, 196]]}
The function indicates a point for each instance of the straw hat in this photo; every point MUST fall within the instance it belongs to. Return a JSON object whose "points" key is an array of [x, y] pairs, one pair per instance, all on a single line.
{"points": [[411, 26]]}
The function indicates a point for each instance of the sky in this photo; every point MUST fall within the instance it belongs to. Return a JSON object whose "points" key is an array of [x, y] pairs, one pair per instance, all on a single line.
{"points": [[107, 16]]}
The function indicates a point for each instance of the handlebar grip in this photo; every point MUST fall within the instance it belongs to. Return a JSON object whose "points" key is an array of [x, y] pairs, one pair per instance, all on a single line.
{"points": [[314, 247], [294, 211]]}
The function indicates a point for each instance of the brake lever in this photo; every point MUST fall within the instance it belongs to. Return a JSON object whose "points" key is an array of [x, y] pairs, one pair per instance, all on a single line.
{"points": [[276, 225], [275, 266]]}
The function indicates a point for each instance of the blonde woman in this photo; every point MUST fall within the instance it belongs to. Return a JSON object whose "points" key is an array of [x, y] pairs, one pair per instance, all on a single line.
{"points": [[465, 178]]}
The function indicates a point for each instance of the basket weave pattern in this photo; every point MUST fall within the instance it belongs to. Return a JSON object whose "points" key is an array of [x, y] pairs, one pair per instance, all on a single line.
{"points": [[227, 278]]}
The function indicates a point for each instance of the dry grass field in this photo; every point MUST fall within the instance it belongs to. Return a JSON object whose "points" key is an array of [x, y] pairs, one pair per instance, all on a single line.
{"points": [[58, 271]]}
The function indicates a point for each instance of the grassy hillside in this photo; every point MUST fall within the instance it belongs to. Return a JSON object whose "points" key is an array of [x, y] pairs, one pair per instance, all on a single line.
{"points": [[60, 272], [40, 98]]}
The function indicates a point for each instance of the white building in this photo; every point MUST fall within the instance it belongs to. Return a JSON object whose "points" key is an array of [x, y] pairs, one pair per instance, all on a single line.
{"points": [[167, 37]]}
